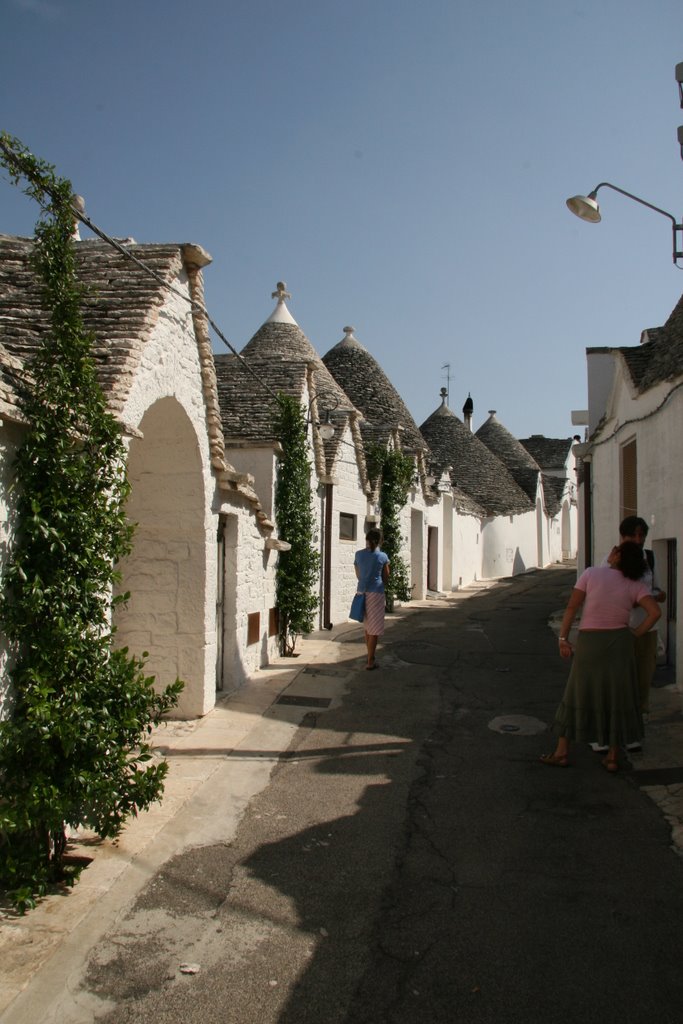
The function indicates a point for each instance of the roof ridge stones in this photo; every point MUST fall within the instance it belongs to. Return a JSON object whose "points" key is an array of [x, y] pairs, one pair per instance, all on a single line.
{"points": [[476, 470]]}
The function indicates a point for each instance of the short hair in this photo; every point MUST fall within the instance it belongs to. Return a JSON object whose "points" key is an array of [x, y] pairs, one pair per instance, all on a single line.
{"points": [[628, 526], [373, 537], [631, 560]]}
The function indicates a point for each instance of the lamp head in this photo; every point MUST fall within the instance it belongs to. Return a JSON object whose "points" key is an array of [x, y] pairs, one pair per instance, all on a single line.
{"points": [[585, 207], [326, 428]]}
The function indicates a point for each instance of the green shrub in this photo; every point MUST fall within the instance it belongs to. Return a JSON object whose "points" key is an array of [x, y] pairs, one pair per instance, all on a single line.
{"points": [[73, 751]]}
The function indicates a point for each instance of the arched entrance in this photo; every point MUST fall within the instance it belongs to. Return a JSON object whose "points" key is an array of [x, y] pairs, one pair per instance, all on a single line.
{"points": [[166, 573]]}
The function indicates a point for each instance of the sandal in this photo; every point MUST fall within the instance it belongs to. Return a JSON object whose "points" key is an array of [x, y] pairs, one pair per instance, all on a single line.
{"points": [[610, 764], [555, 760]]}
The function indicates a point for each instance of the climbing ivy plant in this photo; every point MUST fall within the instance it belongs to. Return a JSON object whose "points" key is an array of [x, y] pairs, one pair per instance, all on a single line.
{"points": [[74, 749], [394, 470], [297, 571]]}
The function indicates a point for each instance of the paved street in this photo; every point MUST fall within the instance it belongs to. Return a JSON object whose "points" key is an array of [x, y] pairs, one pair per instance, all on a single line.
{"points": [[403, 857]]}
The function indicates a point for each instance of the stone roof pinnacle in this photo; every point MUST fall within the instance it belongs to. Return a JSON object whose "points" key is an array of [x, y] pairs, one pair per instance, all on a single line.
{"points": [[281, 314]]}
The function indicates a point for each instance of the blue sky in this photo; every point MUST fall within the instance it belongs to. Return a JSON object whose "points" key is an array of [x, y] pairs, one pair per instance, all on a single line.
{"points": [[402, 166]]}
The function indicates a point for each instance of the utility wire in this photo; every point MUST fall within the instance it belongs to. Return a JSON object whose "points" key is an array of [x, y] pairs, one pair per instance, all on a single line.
{"points": [[79, 214], [196, 308]]}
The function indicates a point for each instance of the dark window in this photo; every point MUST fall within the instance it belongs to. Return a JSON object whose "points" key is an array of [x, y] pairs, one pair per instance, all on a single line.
{"points": [[253, 628], [273, 622], [347, 526]]}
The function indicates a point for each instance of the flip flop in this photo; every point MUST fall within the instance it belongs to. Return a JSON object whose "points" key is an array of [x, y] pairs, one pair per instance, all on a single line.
{"points": [[554, 761], [610, 764], [371, 668]]}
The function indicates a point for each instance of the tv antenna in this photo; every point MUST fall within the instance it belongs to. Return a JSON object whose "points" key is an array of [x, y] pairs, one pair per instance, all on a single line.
{"points": [[447, 368]]}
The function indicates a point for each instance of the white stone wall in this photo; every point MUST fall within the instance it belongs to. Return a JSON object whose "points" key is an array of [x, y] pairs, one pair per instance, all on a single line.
{"points": [[447, 533], [414, 536], [173, 562], [348, 497], [467, 549], [509, 545], [657, 427], [554, 538], [601, 365], [249, 589], [261, 463]]}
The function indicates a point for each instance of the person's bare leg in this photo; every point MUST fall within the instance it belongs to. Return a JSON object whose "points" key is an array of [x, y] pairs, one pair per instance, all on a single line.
{"points": [[371, 644], [611, 761]]}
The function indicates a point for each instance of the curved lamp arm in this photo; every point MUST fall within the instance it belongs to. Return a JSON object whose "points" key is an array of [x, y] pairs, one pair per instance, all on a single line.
{"points": [[586, 207]]}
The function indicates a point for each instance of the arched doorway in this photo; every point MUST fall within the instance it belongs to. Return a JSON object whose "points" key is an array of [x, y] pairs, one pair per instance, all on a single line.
{"points": [[166, 573]]}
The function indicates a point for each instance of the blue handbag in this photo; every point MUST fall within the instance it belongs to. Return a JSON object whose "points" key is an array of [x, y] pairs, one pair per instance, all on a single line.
{"points": [[357, 612], [357, 608]]}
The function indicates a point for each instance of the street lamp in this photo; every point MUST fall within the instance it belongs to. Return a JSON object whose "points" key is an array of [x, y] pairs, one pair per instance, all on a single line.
{"points": [[326, 428], [586, 208]]}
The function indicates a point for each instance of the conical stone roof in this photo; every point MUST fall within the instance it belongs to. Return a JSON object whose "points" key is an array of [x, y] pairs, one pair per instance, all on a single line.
{"points": [[514, 456], [280, 358], [548, 452], [371, 391], [475, 469]]}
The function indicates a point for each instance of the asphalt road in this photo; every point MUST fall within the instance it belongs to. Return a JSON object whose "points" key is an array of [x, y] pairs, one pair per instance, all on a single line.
{"points": [[412, 862]]}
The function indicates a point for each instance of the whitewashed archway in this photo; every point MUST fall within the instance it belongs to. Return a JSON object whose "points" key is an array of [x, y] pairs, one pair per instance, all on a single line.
{"points": [[166, 572]]}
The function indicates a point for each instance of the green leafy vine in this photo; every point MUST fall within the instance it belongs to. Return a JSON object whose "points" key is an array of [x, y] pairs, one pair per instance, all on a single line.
{"points": [[74, 750], [297, 569], [394, 472]]}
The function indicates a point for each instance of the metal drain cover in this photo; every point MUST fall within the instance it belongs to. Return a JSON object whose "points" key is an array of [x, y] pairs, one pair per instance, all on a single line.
{"points": [[423, 652], [304, 702], [520, 725]]}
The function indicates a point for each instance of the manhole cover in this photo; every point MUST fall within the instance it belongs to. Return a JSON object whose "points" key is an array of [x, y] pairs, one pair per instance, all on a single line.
{"points": [[423, 653], [521, 725]]}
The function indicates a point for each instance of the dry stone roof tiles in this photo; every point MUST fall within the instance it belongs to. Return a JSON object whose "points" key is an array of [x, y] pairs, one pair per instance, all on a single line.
{"points": [[120, 305], [11, 376], [476, 470], [553, 492], [551, 454], [511, 453], [660, 357], [371, 391], [548, 452], [281, 359]]}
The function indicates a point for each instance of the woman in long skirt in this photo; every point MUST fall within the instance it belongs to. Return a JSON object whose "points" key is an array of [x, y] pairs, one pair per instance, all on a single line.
{"points": [[372, 572], [601, 700]]}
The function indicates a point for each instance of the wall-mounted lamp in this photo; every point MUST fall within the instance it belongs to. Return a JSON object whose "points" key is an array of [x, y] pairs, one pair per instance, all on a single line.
{"points": [[586, 208], [326, 427]]}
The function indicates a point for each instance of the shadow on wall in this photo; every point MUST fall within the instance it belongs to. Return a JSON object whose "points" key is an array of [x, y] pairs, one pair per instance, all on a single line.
{"points": [[518, 564]]}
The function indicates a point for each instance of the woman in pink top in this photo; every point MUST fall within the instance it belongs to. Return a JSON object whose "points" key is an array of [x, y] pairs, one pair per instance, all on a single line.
{"points": [[601, 700]]}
